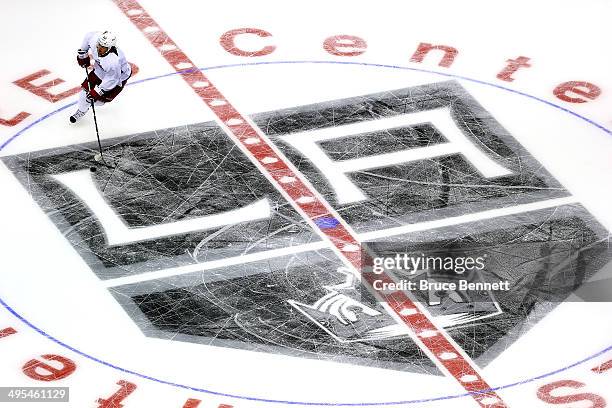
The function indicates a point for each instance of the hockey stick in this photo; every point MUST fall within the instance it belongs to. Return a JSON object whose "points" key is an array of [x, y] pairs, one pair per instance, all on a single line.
{"points": [[89, 87]]}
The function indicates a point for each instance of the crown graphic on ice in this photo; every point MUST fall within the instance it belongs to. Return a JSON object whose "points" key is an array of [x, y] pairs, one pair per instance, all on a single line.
{"points": [[346, 319]]}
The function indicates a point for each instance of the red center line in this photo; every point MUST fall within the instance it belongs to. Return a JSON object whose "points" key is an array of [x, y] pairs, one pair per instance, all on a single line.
{"points": [[434, 341]]}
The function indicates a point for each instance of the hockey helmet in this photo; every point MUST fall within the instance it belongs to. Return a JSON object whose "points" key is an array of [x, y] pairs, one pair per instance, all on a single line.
{"points": [[107, 39]]}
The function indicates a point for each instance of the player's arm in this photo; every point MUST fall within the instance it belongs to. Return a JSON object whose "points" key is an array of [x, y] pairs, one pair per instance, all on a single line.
{"points": [[112, 78], [83, 52]]}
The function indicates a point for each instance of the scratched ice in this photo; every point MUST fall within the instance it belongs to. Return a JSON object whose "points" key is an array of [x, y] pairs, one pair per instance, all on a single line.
{"points": [[405, 193], [162, 177], [545, 255], [303, 302]]}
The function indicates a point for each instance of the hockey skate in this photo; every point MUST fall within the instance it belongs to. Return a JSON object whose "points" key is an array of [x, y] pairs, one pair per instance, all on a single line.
{"points": [[77, 115]]}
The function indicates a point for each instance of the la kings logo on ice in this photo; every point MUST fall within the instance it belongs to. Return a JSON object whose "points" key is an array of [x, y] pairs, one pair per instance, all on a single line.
{"points": [[181, 197]]}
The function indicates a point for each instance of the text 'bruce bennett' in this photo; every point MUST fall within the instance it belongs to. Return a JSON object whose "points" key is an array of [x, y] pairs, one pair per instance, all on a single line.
{"points": [[425, 285]]}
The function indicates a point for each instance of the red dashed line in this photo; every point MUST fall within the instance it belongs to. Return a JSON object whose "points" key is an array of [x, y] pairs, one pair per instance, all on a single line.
{"points": [[433, 340]]}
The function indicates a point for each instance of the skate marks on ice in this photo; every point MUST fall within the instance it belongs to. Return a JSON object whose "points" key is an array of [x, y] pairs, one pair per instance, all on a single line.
{"points": [[437, 153], [187, 195], [248, 306], [301, 305], [203, 195]]}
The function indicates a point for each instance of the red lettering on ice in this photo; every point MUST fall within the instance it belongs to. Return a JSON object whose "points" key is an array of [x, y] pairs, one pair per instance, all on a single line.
{"points": [[513, 66], [603, 367], [425, 48], [43, 90], [15, 120], [228, 39], [545, 394], [41, 371], [7, 332], [345, 45], [580, 88], [114, 401]]}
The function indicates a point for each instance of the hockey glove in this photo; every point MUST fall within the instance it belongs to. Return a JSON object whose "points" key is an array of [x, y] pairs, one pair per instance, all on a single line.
{"points": [[94, 95], [83, 58]]}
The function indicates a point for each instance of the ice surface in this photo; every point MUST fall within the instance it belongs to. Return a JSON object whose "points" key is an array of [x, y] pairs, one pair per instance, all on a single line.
{"points": [[193, 171]]}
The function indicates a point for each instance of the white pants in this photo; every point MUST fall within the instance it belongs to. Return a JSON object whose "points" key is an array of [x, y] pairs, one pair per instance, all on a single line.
{"points": [[84, 104]]}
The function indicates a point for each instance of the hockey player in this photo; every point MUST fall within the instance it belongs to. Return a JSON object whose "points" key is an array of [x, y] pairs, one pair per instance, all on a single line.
{"points": [[109, 75]]}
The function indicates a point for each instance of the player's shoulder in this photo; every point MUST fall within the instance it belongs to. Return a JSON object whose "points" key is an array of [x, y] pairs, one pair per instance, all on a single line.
{"points": [[109, 61]]}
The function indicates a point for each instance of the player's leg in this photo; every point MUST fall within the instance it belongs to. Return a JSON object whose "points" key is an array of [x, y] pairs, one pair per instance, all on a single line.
{"points": [[84, 103], [83, 106]]}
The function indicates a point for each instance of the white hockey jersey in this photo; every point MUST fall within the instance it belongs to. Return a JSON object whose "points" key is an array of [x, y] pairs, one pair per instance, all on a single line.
{"points": [[112, 68]]}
